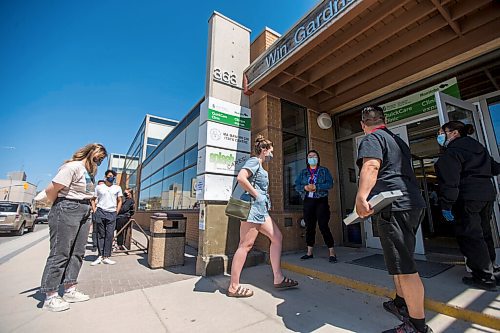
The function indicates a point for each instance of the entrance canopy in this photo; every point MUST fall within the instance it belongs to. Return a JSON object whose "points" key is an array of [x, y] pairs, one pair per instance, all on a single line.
{"points": [[344, 53]]}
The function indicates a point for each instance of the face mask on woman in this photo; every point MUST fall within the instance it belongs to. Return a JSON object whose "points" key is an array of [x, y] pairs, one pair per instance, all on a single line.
{"points": [[441, 139], [313, 161], [269, 157]]}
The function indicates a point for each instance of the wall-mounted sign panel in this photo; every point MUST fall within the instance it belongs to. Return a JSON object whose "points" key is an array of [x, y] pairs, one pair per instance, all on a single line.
{"points": [[217, 160], [214, 187], [315, 21], [224, 136], [226, 113], [419, 102]]}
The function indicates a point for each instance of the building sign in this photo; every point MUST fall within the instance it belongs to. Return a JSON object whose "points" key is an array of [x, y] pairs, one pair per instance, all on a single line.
{"points": [[225, 77], [201, 223], [419, 102], [224, 140], [225, 113], [314, 22], [224, 136], [214, 187], [217, 160]]}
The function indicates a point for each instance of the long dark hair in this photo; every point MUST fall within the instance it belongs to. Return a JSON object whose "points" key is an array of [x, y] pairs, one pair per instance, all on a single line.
{"points": [[455, 125], [317, 154]]}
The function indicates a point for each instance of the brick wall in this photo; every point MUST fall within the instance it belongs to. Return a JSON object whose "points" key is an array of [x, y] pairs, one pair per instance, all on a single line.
{"points": [[266, 120]]}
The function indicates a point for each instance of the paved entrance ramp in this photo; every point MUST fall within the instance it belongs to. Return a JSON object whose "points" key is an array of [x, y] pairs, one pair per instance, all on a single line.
{"points": [[426, 269]]}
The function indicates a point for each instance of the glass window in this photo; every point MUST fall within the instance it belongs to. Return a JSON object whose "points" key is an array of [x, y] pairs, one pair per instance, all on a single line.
{"points": [[154, 202], [156, 177], [188, 188], [171, 197], [175, 166], [8, 207], [348, 123], [149, 150], [348, 187], [293, 118], [192, 132], [144, 199], [191, 157], [294, 160], [154, 142], [294, 150], [494, 107]]}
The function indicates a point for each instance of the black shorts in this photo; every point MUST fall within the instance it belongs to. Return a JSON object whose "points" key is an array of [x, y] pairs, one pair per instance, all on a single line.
{"points": [[397, 230]]}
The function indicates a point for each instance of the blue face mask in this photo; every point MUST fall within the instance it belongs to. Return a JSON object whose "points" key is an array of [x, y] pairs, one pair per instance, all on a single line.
{"points": [[441, 139], [269, 157], [313, 161], [111, 179]]}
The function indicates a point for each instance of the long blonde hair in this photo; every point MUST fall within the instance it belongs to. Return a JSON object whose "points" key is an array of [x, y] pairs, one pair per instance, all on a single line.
{"points": [[87, 154]]}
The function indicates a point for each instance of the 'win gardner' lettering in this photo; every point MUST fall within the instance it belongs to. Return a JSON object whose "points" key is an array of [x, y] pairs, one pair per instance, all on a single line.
{"points": [[308, 27]]}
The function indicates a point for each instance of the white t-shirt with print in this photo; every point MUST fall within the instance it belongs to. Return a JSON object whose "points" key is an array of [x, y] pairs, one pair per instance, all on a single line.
{"points": [[77, 182], [107, 196]]}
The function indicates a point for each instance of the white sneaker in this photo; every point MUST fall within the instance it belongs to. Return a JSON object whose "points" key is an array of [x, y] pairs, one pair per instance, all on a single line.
{"points": [[108, 261], [56, 304], [96, 262], [75, 296]]}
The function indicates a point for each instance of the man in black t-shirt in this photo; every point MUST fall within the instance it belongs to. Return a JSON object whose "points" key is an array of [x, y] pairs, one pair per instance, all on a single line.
{"points": [[385, 165]]}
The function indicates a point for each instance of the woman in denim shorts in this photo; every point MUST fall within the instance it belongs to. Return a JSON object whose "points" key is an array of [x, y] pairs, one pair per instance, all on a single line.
{"points": [[255, 181], [69, 223]]}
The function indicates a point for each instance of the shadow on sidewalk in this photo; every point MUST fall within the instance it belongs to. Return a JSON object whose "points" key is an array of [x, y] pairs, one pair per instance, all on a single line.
{"points": [[37, 295]]}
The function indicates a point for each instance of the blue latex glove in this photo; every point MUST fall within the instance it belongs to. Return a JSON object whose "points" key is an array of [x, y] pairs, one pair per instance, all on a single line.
{"points": [[448, 216]]}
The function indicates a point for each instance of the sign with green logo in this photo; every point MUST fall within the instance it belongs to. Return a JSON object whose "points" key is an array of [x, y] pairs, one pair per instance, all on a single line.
{"points": [[225, 113], [419, 102]]}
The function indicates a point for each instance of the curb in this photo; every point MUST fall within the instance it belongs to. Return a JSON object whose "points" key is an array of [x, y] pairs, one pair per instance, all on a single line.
{"points": [[430, 304]]}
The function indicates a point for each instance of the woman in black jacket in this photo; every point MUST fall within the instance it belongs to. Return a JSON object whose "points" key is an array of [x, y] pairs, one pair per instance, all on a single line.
{"points": [[123, 217], [467, 195]]}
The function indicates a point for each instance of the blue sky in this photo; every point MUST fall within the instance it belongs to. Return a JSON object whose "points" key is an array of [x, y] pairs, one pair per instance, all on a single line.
{"points": [[74, 72]]}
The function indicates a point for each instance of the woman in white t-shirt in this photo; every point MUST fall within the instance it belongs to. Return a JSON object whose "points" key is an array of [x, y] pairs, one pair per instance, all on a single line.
{"points": [[69, 222]]}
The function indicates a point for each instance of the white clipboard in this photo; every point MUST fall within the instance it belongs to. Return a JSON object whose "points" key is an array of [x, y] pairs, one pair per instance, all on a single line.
{"points": [[377, 203]]}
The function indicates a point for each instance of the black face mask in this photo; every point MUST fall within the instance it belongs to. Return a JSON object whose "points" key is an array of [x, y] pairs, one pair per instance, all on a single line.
{"points": [[97, 161]]}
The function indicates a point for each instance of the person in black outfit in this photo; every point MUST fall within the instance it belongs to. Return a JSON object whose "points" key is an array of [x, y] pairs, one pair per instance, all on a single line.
{"points": [[94, 227], [385, 165], [466, 193], [313, 184], [123, 217]]}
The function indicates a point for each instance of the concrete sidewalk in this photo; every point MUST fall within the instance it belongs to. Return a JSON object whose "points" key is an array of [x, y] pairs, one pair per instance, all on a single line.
{"points": [[445, 292], [129, 297]]}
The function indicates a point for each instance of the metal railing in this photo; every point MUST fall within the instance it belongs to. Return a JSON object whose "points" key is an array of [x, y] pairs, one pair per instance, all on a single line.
{"points": [[140, 247]]}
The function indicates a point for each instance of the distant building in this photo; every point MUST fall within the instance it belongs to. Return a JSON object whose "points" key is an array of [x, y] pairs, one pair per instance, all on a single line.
{"points": [[116, 162], [15, 188], [150, 134]]}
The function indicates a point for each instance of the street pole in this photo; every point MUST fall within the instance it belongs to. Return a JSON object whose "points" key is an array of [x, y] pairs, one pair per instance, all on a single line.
{"points": [[10, 186]]}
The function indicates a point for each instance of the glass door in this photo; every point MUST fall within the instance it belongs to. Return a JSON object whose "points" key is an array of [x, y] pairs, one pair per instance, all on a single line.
{"points": [[451, 108], [372, 239]]}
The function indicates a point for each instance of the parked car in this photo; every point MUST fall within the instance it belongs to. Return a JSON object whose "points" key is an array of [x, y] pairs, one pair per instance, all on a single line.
{"points": [[15, 217], [43, 215]]}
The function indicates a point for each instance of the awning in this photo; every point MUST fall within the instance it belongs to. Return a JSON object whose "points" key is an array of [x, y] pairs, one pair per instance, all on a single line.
{"points": [[344, 53]]}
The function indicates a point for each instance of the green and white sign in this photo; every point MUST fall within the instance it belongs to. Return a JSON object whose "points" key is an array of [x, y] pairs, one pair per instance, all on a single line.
{"points": [[226, 113], [419, 102], [222, 161]]}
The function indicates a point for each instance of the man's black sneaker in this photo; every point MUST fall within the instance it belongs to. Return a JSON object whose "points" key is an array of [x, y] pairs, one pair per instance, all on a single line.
{"points": [[480, 283], [400, 312], [306, 256], [408, 327]]}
